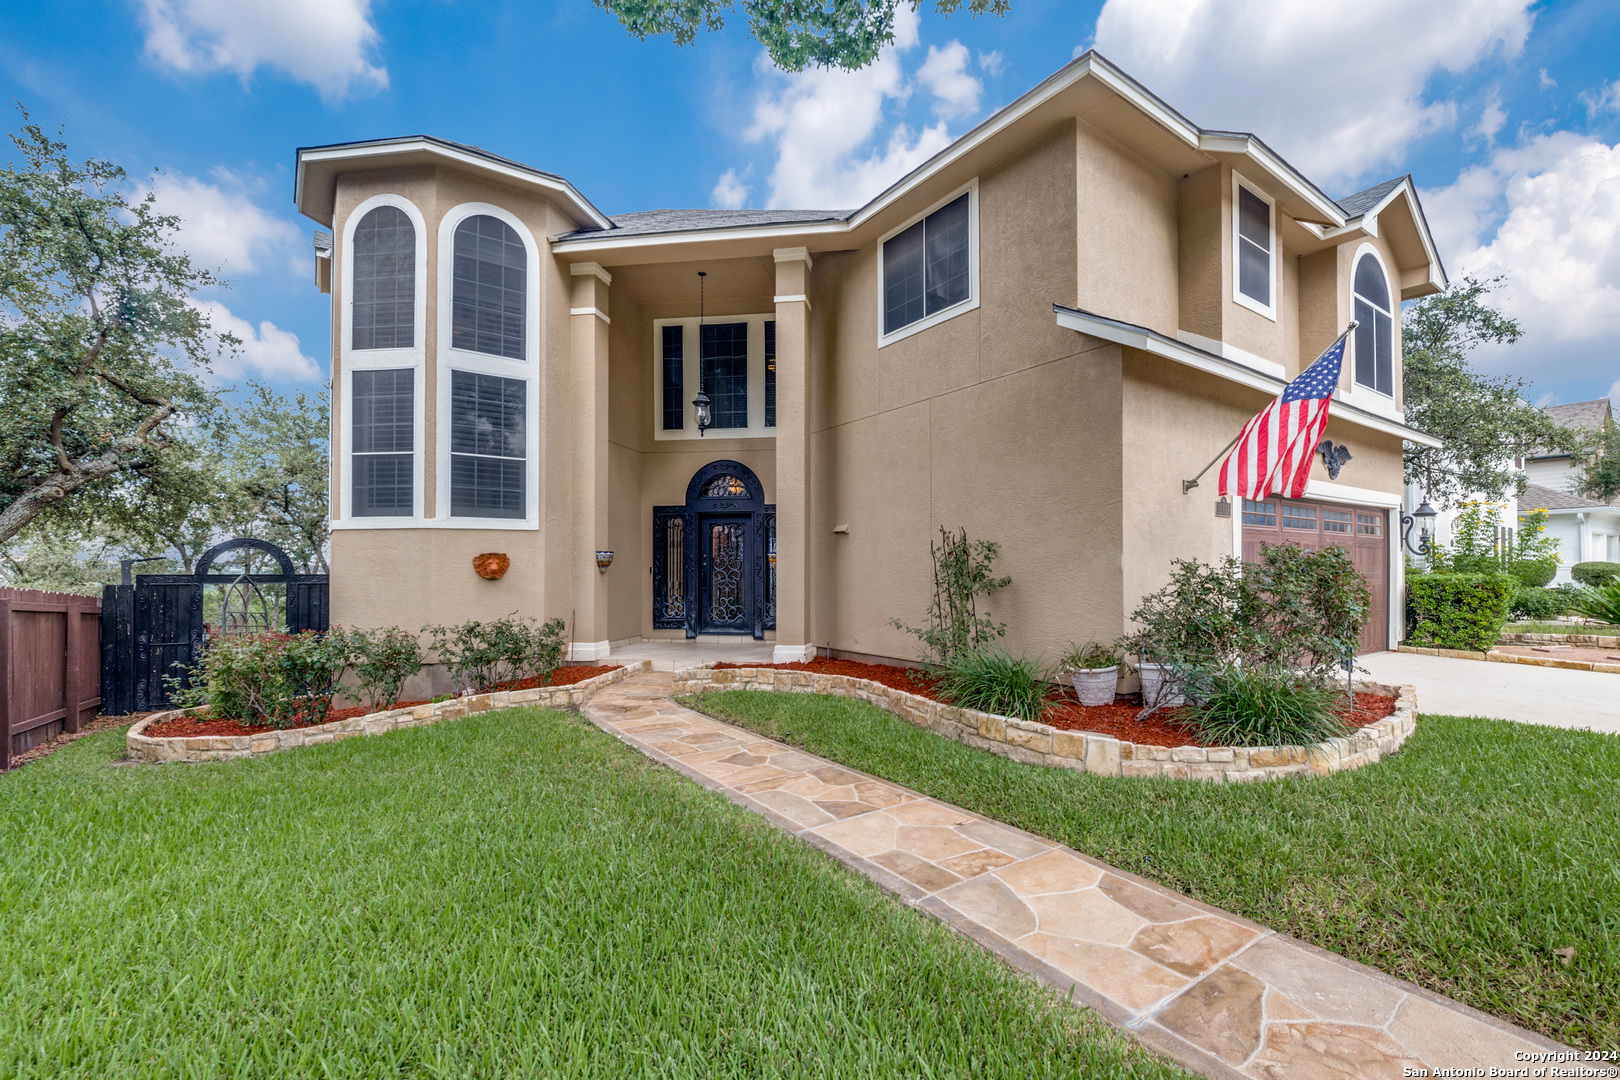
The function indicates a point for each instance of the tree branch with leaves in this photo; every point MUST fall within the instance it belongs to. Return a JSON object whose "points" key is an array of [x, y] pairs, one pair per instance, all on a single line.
{"points": [[100, 351], [797, 34], [1484, 421]]}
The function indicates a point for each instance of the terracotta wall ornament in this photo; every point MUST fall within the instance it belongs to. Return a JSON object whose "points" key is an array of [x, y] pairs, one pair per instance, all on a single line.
{"points": [[491, 565]]}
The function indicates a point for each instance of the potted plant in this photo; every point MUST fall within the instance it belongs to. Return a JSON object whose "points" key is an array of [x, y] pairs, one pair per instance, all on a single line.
{"points": [[1094, 671], [1161, 688]]}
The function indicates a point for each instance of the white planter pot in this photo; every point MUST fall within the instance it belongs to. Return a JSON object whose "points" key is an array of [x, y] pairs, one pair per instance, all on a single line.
{"points": [[1095, 686], [1156, 688]]}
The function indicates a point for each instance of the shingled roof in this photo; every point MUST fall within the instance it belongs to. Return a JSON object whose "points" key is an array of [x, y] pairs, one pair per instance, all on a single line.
{"points": [[1362, 201], [1581, 415], [651, 222], [1536, 497]]}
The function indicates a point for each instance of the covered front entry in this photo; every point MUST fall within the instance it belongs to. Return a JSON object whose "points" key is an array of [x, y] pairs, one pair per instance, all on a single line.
{"points": [[714, 558], [1363, 531]]}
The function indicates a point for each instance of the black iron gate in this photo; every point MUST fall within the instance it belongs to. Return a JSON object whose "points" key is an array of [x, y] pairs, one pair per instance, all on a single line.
{"points": [[153, 629], [714, 559]]}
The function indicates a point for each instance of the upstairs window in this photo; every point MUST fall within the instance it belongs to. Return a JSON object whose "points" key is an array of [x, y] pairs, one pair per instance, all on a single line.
{"points": [[928, 266], [723, 356], [770, 374], [489, 293], [1375, 329], [674, 378], [1255, 246], [384, 314], [488, 445], [382, 428]]}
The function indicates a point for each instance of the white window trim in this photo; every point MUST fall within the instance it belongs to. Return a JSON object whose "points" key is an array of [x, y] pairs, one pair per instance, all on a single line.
{"points": [[971, 188], [691, 371], [450, 360], [1238, 295], [353, 359], [1370, 396]]}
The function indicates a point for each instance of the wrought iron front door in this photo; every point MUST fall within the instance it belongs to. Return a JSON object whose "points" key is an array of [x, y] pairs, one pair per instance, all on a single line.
{"points": [[726, 599]]}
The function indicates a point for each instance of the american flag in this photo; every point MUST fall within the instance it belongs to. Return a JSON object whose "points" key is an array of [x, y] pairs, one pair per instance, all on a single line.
{"points": [[1274, 452]]}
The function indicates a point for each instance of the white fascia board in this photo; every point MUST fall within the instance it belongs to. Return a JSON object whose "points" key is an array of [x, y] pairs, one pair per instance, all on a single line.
{"points": [[1259, 153], [1365, 224], [555, 186], [774, 233], [1148, 341]]}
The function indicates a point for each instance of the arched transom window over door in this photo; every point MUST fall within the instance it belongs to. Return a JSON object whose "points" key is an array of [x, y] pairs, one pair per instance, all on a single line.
{"points": [[384, 315], [489, 293], [1375, 330]]}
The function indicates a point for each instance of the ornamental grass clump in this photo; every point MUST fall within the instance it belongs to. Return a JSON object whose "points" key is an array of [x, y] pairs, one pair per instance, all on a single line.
{"points": [[996, 681], [1601, 604], [1266, 706]]}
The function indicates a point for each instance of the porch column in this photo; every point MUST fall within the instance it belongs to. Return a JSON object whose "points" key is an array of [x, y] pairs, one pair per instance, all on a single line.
{"points": [[588, 324], [794, 629]]}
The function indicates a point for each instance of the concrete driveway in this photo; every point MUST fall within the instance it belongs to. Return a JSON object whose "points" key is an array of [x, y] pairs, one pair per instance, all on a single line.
{"points": [[1532, 695]]}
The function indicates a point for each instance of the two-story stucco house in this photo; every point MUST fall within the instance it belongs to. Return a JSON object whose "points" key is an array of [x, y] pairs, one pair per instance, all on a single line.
{"points": [[1039, 334]]}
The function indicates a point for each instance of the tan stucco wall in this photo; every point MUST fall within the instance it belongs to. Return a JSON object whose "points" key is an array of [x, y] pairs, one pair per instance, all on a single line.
{"points": [[436, 563], [1126, 248]]}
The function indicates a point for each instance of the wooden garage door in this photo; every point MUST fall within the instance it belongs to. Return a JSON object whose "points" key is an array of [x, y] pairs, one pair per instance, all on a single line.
{"points": [[1361, 530]]}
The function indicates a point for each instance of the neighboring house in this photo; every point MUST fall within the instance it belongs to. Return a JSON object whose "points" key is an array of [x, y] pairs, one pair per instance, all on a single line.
{"points": [[1038, 334], [1587, 530]]}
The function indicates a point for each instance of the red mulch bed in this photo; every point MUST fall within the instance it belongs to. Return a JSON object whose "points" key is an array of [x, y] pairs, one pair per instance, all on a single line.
{"points": [[195, 726], [1169, 727]]}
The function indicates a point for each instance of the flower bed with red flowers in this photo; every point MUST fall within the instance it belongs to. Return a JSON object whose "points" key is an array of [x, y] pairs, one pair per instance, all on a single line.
{"points": [[1167, 727]]}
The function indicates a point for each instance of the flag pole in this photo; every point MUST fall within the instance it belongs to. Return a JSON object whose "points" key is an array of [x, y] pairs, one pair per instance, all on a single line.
{"points": [[1188, 485]]}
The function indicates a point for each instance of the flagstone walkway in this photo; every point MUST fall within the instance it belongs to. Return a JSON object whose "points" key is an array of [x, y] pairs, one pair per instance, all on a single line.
{"points": [[1216, 992]]}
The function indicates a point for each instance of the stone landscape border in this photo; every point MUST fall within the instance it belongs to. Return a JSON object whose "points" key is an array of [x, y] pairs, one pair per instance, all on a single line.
{"points": [[1510, 658], [1595, 641], [1040, 744], [225, 747]]}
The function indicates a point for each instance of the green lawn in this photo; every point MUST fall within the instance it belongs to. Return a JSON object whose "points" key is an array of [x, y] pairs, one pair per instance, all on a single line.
{"points": [[1459, 863], [514, 894]]}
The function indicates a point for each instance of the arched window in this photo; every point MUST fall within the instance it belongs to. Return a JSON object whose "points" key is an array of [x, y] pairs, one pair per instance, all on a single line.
{"points": [[384, 280], [725, 486], [489, 293], [1375, 334]]}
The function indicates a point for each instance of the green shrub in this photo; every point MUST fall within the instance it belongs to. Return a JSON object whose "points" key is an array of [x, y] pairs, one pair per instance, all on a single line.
{"points": [[481, 656], [1534, 573], [381, 661], [997, 682], [1458, 611], [1293, 609], [1266, 705], [270, 680], [1595, 574], [963, 572], [1602, 604], [1540, 604], [1091, 656]]}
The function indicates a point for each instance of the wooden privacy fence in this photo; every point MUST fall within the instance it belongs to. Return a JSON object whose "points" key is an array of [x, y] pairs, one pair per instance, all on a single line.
{"points": [[50, 666]]}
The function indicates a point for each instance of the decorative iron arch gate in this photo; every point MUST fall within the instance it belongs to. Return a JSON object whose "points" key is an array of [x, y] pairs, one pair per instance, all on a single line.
{"points": [[714, 558], [157, 622]]}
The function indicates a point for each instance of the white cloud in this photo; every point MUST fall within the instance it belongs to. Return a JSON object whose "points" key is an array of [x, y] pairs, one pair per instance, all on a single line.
{"points": [[1547, 215], [1547, 81], [825, 125], [1603, 99], [1491, 119], [992, 63], [945, 73], [729, 191], [324, 43], [221, 227], [1328, 84], [266, 349]]}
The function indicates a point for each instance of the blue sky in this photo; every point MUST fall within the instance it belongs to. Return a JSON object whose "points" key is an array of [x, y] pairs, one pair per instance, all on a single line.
{"points": [[1507, 113]]}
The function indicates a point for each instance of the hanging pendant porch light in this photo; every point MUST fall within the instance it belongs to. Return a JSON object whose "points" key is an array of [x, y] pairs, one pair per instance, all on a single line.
{"points": [[701, 403]]}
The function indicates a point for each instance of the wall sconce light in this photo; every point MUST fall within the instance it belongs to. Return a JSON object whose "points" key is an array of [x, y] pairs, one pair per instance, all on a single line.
{"points": [[1424, 517], [604, 559]]}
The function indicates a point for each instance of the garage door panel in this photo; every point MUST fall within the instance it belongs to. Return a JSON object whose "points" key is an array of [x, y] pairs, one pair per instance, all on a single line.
{"points": [[1312, 525]]}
